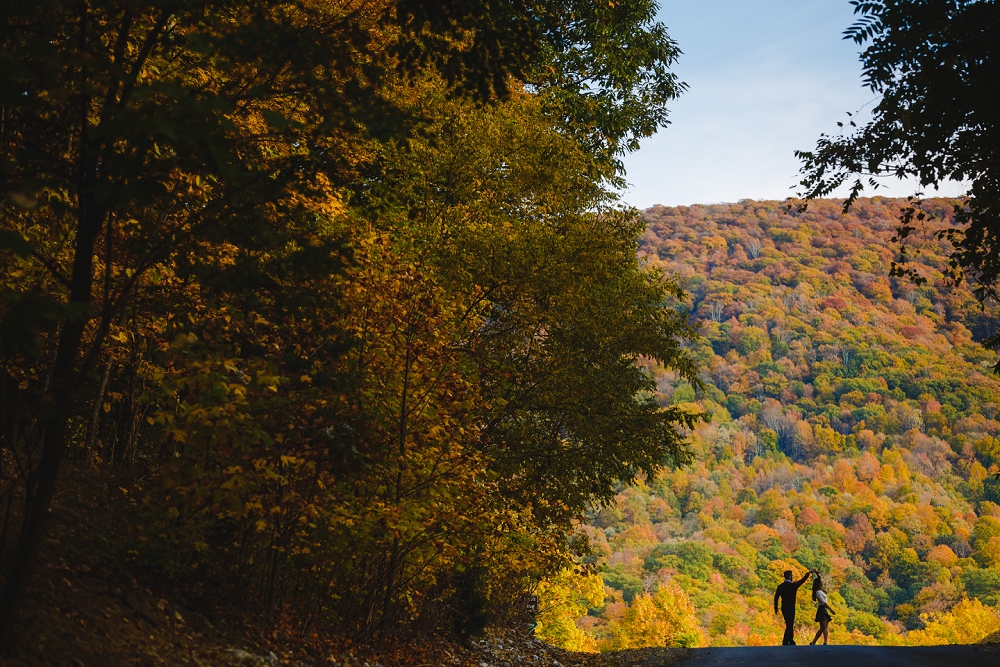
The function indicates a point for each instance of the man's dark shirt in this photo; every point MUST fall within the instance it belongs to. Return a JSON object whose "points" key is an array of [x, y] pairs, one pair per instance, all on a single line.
{"points": [[786, 591]]}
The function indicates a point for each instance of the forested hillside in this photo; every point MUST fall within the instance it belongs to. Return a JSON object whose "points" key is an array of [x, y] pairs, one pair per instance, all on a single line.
{"points": [[850, 427]]}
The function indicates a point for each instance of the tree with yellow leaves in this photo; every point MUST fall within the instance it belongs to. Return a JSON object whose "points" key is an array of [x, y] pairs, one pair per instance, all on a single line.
{"points": [[562, 600], [965, 623], [664, 618]]}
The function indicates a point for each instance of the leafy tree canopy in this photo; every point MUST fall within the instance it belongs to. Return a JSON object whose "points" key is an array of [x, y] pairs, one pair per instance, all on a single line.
{"points": [[933, 64], [343, 282]]}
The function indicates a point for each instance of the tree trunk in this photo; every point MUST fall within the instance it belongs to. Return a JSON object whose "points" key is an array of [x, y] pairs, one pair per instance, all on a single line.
{"points": [[53, 448], [96, 413], [62, 389], [394, 555]]}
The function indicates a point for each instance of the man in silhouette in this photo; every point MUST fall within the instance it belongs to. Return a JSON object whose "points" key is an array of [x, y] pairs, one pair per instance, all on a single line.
{"points": [[786, 592]]}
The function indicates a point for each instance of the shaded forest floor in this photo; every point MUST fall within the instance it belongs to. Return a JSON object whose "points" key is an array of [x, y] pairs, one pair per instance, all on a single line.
{"points": [[84, 611], [79, 617]]}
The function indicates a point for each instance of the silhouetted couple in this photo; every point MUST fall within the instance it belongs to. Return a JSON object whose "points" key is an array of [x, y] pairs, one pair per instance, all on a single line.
{"points": [[786, 594]]}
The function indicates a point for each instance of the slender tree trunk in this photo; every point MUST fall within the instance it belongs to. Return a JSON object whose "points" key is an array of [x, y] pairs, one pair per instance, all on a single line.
{"points": [[95, 415], [394, 555], [62, 389], [53, 449], [6, 521]]}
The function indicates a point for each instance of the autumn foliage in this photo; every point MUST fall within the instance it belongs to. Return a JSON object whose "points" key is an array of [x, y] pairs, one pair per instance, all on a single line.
{"points": [[852, 429], [329, 305]]}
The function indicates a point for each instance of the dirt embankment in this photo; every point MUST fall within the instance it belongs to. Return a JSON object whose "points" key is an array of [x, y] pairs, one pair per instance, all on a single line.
{"points": [[991, 639]]}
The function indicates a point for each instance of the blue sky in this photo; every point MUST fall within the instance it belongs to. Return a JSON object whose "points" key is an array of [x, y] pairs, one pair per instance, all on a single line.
{"points": [[766, 78]]}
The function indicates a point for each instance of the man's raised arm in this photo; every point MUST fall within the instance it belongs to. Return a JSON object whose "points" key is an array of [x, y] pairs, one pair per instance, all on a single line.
{"points": [[803, 580]]}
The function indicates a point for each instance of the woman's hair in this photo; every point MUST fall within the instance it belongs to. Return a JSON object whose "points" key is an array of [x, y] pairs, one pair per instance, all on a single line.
{"points": [[817, 585]]}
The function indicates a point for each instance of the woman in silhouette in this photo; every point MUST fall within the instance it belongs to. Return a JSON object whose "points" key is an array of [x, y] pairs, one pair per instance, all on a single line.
{"points": [[823, 611]]}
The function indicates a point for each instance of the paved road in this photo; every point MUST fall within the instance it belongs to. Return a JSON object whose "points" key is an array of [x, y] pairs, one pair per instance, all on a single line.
{"points": [[846, 656]]}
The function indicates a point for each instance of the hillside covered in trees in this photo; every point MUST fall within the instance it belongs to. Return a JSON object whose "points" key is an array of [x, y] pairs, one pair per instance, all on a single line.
{"points": [[851, 426]]}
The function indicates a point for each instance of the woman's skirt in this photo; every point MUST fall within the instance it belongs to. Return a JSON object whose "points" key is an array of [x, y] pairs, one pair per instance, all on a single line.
{"points": [[822, 614]]}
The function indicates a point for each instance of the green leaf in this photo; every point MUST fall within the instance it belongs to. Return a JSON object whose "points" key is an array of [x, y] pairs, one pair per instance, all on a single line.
{"points": [[14, 242]]}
